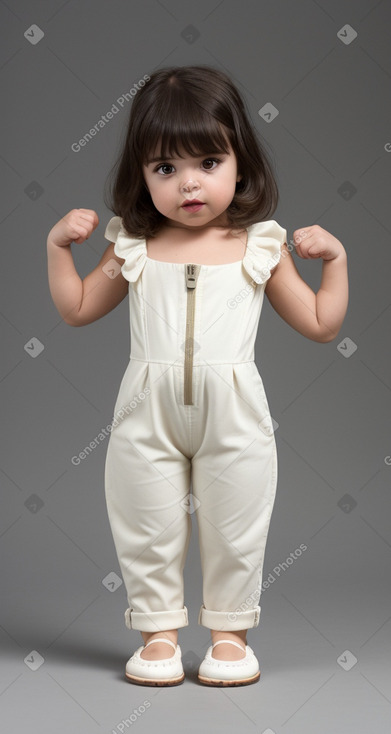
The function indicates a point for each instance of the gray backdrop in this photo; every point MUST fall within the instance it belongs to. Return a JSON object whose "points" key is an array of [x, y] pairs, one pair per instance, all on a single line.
{"points": [[324, 638]]}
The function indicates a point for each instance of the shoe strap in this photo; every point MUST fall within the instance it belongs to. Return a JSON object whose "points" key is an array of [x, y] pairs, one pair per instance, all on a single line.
{"points": [[231, 642], [161, 639]]}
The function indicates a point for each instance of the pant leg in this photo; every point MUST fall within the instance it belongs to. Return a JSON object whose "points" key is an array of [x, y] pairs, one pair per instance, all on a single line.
{"points": [[147, 480], [234, 478]]}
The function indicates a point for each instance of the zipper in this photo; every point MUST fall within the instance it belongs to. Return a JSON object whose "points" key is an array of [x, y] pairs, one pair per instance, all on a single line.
{"points": [[191, 274]]}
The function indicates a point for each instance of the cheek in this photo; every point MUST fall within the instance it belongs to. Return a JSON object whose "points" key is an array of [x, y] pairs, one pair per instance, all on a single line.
{"points": [[161, 197], [225, 189], [154, 189], [162, 194]]}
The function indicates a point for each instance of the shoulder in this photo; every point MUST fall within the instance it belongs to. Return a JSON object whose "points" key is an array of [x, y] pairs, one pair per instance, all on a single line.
{"points": [[132, 250], [112, 229], [264, 248]]}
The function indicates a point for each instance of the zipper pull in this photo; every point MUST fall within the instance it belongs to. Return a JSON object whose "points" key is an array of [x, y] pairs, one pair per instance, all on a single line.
{"points": [[191, 275]]}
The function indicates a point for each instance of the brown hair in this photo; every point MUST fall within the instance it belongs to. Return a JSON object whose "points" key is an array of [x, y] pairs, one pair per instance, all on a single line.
{"points": [[195, 108]]}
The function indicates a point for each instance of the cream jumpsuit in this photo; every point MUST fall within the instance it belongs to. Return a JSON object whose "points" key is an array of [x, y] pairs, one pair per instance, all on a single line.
{"points": [[192, 407]]}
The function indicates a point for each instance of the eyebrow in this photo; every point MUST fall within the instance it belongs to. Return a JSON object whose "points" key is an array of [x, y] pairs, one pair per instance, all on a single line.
{"points": [[156, 160]]}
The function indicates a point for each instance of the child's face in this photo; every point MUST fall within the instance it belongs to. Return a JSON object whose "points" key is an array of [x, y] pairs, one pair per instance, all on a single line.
{"points": [[173, 181]]}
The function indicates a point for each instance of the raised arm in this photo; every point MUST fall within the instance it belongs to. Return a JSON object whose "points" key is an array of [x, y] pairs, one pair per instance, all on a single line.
{"points": [[317, 316], [78, 301]]}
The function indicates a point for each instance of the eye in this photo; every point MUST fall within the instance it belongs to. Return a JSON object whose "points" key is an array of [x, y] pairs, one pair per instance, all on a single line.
{"points": [[163, 165], [215, 160]]}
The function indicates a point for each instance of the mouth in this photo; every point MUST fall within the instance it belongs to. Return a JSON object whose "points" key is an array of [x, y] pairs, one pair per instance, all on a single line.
{"points": [[193, 206], [191, 202]]}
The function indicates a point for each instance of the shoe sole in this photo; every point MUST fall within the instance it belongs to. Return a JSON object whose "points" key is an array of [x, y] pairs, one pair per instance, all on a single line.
{"points": [[156, 681], [218, 682]]}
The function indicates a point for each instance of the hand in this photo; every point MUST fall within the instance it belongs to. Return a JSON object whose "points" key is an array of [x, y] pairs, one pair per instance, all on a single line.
{"points": [[312, 242], [76, 226]]}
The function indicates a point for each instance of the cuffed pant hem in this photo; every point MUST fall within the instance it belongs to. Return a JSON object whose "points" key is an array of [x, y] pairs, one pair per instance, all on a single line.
{"points": [[235, 620], [156, 621]]}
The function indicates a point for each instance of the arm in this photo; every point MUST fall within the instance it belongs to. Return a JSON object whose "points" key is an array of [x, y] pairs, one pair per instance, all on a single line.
{"points": [[78, 301], [317, 316]]}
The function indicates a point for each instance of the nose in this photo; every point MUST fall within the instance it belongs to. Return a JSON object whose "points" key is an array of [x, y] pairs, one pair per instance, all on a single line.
{"points": [[190, 189]]}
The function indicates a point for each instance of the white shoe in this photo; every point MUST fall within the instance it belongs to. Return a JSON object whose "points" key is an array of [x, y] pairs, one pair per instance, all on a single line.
{"points": [[215, 672], [165, 672]]}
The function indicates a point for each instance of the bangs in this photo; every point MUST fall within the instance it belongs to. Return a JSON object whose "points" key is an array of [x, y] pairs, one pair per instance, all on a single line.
{"points": [[197, 133]]}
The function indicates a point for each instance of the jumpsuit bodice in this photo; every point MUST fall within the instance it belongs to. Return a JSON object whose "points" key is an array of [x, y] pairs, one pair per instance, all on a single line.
{"points": [[214, 308]]}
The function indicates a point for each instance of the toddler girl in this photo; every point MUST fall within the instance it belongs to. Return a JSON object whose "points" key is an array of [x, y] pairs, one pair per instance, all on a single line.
{"points": [[193, 245]]}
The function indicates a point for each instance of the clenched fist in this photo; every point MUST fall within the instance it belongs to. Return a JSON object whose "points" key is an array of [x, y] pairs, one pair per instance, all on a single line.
{"points": [[76, 226]]}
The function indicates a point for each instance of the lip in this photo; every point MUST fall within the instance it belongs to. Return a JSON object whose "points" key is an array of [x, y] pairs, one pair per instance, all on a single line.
{"points": [[191, 202]]}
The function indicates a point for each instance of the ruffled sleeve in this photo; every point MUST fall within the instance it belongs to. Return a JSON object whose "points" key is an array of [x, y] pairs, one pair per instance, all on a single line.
{"points": [[263, 249], [131, 249]]}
